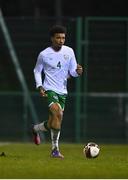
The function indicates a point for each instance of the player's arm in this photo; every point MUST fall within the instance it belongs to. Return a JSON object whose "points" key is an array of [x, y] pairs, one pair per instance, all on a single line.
{"points": [[38, 75], [75, 69], [37, 71]]}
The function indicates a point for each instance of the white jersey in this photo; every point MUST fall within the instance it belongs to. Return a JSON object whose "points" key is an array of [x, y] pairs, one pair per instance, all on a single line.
{"points": [[56, 66]]}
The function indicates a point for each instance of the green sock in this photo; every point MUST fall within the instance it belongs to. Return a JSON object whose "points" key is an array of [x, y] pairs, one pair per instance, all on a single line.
{"points": [[45, 125]]}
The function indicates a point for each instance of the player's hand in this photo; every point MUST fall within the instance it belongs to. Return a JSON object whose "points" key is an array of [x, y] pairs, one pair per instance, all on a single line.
{"points": [[79, 69], [42, 92]]}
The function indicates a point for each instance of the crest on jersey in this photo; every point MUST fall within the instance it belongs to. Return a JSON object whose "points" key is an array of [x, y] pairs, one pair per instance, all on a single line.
{"points": [[55, 97], [66, 56]]}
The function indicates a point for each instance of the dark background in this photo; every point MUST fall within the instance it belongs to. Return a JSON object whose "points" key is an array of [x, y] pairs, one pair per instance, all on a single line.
{"points": [[104, 53], [64, 7]]}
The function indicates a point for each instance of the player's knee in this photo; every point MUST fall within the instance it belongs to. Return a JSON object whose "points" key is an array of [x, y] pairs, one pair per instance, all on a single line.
{"points": [[56, 111]]}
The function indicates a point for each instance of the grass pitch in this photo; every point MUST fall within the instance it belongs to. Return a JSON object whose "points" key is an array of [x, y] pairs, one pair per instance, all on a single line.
{"points": [[32, 162]]}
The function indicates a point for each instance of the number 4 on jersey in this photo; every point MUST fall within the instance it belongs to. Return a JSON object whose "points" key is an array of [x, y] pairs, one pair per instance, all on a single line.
{"points": [[59, 65]]}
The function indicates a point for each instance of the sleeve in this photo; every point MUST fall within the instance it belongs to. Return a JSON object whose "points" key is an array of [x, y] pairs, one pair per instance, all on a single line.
{"points": [[38, 71], [73, 65]]}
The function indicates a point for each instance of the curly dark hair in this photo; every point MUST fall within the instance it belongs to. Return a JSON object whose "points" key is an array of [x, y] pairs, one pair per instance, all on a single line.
{"points": [[57, 29]]}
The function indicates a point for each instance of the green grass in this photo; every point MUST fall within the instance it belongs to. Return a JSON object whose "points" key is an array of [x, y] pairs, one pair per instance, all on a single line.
{"points": [[31, 161]]}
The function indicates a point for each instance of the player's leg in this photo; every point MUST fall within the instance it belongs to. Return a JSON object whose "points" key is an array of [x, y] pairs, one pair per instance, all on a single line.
{"points": [[57, 116], [41, 126], [36, 136], [55, 127], [44, 126], [56, 107]]}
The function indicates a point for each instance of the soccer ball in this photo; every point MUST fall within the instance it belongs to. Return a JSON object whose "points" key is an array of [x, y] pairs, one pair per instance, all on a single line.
{"points": [[91, 150]]}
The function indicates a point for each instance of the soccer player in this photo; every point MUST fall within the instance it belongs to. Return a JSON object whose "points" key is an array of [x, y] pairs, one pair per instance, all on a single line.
{"points": [[58, 63]]}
